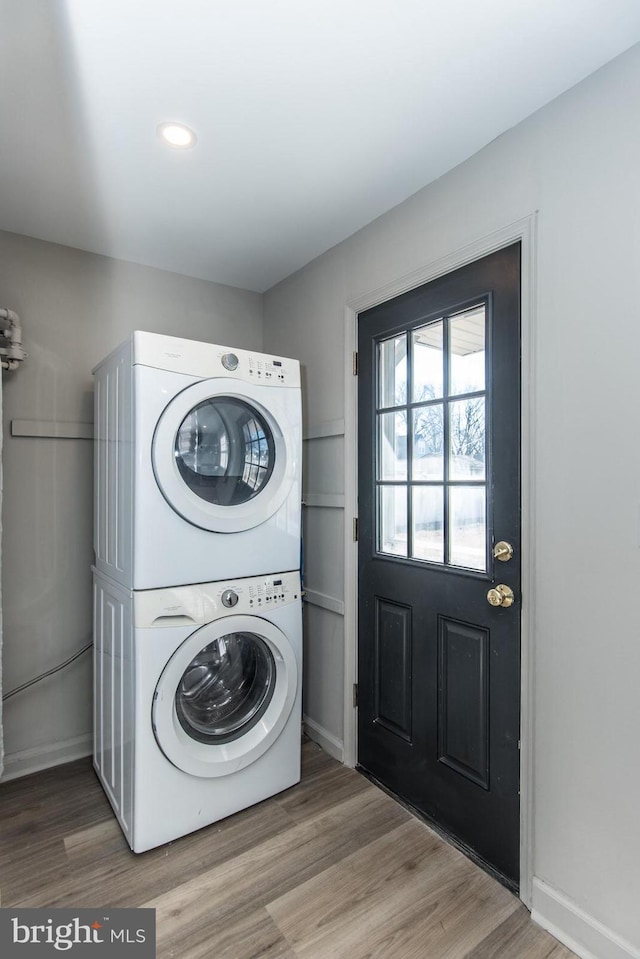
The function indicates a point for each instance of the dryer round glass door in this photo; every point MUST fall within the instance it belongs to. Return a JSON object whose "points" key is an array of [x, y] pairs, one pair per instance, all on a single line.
{"points": [[223, 460], [225, 696], [224, 450]]}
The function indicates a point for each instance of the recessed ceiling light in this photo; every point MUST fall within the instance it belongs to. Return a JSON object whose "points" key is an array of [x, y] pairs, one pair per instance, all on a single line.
{"points": [[177, 135]]}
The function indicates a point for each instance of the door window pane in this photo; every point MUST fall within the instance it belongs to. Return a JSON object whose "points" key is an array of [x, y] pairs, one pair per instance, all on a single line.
{"points": [[467, 351], [393, 520], [427, 362], [427, 511], [392, 441], [467, 527], [431, 441], [467, 439], [392, 371], [428, 443]]}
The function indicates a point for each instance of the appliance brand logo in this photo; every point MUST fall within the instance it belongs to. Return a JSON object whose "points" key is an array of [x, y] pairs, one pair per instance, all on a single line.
{"points": [[46, 932]]}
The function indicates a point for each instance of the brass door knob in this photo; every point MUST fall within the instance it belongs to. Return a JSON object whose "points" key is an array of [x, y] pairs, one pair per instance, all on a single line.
{"points": [[501, 595]]}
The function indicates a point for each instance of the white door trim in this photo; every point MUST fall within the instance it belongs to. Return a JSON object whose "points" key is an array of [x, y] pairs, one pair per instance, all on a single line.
{"points": [[525, 231]]}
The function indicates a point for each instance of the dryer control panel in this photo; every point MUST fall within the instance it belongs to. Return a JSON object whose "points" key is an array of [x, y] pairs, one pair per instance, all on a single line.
{"points": [[272, 371], [208, 360], [206, 602]]}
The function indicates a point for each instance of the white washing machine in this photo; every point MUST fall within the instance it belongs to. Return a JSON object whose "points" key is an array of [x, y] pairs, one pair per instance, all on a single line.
{"points": [[197, 700], [194, 442]]}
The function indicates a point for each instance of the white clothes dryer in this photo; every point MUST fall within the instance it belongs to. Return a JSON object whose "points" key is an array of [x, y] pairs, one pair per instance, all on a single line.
{"points": [[194, 442], [197, 694]]}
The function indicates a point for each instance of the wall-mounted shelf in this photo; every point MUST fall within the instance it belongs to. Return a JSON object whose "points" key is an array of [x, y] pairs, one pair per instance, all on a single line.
{"points": [[323, 601], [324, 500], [322, 431], [52, 429]]}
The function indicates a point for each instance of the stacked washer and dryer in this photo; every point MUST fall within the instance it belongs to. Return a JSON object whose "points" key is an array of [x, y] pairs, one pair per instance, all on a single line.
{"points": [[197, 601]]}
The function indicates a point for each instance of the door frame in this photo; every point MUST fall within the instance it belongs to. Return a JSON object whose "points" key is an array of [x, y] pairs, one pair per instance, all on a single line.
{"points": [[525, 232]]}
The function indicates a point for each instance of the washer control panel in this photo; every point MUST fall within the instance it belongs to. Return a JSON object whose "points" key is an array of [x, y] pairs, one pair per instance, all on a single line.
{"points": [[270, 591], [229, 598], [258, 593], [191, 606]]}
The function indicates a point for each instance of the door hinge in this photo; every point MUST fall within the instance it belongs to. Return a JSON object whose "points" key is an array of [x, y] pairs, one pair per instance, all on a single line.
{"points": [[355, 695], [355, 364], [355, 529]]}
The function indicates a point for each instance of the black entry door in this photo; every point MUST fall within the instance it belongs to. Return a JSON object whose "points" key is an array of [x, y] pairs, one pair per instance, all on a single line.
{"points": [[439, 553]]}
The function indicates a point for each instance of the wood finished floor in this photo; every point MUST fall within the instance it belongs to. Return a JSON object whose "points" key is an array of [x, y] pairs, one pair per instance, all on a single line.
{"points": [[331, 869]]}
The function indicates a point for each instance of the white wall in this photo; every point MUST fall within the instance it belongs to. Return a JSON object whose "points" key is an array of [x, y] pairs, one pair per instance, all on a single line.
{"points": [[577, 162], [75, 307]]}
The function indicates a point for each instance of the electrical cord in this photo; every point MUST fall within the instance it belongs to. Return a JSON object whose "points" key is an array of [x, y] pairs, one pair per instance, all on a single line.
{"points": [[50, 672]]}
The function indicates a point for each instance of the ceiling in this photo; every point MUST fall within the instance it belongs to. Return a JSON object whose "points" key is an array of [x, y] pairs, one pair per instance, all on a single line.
{"points": [[313, 117]]}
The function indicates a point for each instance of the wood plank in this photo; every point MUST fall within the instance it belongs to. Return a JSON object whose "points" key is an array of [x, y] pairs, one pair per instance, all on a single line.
{"points": [[106, 836], [331, 867], [39, 862], [47, 806], [321, 790], [124, 878], [248, 935], [382, 901], [274, 867], [518, 936]]}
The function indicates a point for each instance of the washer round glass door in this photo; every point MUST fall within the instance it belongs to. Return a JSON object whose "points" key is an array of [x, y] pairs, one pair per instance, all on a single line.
{"points": [[226, 688], [220, 458], [225, 696]]}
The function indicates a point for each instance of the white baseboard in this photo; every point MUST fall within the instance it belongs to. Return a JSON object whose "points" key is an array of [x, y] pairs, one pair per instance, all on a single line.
{"points": [[330, 743], [42, 757], [583, 934]]}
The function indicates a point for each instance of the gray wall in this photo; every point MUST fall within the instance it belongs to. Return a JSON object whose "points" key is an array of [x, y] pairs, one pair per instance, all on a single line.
{"points": [[75, 307], [577, 162]]}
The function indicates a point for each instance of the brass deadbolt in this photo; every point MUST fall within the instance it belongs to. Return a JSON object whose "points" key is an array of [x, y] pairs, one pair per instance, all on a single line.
{"points": [[501, 595], [503, 551]]}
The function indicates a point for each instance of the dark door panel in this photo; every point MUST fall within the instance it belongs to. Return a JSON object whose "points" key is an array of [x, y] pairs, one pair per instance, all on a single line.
{"points": [[439, 486]]}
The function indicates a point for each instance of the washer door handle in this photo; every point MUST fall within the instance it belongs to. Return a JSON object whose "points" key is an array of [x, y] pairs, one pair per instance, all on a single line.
{"points": [[168, 620]]}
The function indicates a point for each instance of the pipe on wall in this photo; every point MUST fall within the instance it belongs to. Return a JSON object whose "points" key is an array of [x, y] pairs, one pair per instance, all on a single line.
{"points": [[12, 331]]}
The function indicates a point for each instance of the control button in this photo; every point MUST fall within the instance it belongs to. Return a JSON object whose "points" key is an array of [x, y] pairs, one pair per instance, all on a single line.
{"points": [[230, 361], [229, 598]]}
